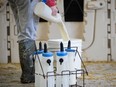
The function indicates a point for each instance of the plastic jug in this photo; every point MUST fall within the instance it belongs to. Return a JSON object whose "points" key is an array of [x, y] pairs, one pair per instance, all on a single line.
{"points": [[45, 12]]}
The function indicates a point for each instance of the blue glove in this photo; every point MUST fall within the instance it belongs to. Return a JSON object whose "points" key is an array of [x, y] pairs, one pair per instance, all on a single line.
{"points": [[44, 1]]}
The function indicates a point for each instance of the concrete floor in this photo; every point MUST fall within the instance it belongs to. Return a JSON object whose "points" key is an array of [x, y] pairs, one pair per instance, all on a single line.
{"points": [[101, 74]]}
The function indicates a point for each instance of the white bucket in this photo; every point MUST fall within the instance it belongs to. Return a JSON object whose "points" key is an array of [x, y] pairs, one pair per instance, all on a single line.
{"points": [[62, 80], [72, 61], [48, 81], [45, 12], [38, 69], [54, 43], [40, 81]]}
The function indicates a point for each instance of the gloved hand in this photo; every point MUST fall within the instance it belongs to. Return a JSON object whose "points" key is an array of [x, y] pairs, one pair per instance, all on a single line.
{"points": [[54, 10]]}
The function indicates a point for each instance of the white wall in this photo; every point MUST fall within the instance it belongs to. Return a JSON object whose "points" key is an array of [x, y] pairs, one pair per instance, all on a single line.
{"points": [[3, 36], [93, 31]]}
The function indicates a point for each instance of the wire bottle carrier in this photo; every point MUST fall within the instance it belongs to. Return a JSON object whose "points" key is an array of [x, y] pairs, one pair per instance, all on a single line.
{"points": [[80, 80], [69, 73]]}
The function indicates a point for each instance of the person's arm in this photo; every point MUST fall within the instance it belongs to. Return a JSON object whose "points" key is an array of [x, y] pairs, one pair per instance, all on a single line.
{"points": [[52, 5]]}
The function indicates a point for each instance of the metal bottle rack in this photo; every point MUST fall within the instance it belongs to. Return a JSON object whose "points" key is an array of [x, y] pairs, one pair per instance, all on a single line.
{"points": [[76, 72]]}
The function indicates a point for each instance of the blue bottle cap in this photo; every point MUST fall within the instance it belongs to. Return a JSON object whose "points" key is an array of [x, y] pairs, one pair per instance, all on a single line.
{"points": [[70, 50], [63, 53], [44, 1], [47, 54]]}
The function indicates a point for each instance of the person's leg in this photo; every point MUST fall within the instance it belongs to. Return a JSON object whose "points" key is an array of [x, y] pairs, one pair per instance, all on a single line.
{"points": [[25, 21], [26, 52]]}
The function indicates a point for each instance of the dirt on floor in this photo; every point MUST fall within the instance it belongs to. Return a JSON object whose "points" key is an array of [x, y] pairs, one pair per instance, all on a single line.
{"points": [[100, 74]]}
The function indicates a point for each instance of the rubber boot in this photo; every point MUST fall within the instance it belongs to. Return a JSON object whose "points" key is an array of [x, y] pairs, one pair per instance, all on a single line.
{"points": [[26, 52]]}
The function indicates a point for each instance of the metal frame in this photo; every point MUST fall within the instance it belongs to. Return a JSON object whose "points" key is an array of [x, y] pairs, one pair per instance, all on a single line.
{"points": [[76, 72]]}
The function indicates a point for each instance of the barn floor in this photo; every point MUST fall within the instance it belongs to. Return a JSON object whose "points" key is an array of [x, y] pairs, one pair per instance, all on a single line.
{"points": [[101, 74]]}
